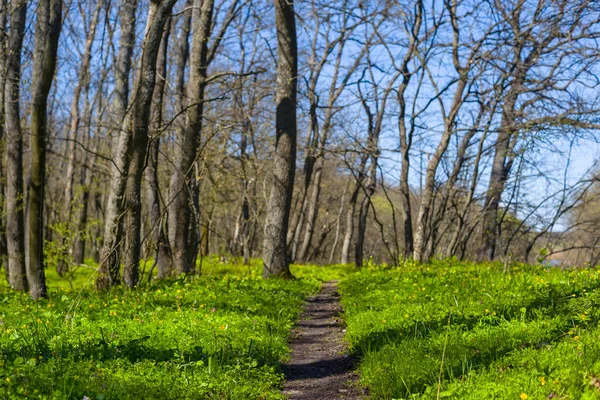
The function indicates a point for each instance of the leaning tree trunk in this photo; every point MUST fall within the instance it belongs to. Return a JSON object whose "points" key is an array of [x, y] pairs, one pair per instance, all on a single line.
{"points": [[275, 257], [15, 236], [109, 273], [138, 121], [48, 27], [163, 250], [183, 224]]}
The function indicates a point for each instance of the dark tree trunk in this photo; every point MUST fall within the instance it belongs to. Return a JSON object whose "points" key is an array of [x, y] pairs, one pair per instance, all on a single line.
{"points": [[48, 27], [349, 232], [501, 166], [138, 121], [82, 87], [109, 274], [162, 249], [184, 203], [363, 213], [3, 67], [275, 255], [15, 220]]}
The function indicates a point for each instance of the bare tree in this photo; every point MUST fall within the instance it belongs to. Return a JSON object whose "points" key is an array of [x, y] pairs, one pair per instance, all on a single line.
{"points": [[275, 255], [183, 212], [163, 258], [184, 241], [15, 223], [83, 82], [138, 120], [109, 274], [464, 70], [48, 27]]}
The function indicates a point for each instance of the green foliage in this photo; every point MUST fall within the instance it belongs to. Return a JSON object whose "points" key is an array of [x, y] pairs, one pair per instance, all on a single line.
{"points": [[530, 333], [219, 336]]}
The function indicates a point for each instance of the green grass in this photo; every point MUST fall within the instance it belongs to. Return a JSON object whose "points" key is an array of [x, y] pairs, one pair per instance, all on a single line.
{"points": [[529, 333], [221, 335]]}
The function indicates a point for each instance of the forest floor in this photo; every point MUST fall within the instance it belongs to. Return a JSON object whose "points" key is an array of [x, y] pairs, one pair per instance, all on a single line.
{"points": [[320, 367]]}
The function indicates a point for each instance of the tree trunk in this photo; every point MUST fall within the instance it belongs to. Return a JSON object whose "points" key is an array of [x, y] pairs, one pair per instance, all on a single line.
{"points": [[82, 85], [181, 59], [275, 255], [109, 273], [3, 68], [363, 212], [309, 163], [15, 222], [349, 233], [48, 27], [313, 210], [406, 211], [427, 196], [138, 121], [162, 248], [184, 202], [501, 166], [338, 224], [245, 212], [406, 135]]}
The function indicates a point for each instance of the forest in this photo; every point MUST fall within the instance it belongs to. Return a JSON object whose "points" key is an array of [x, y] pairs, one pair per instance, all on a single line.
{"points": [[248, 199]]}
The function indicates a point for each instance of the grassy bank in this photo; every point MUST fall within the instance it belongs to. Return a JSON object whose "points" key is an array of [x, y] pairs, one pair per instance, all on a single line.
{"points": [[529, 332], [221, 335]]}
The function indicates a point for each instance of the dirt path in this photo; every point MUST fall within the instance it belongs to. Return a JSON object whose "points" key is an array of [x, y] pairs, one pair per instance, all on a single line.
{"points": [[320, 367]]}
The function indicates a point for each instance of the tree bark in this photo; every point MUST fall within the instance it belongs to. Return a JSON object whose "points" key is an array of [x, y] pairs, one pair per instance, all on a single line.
{"points": [[15, 223], [182, 224], [349, 232], [363, 212], [3, 44], [427, 195], [82, 86], [275, 255], [109, 273], [83, 81], [48, 27], [138, 120], [501, 166], [338, 224], [163, 251]]}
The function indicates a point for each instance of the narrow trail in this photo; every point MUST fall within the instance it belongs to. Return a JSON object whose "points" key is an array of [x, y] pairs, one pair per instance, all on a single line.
{"points": [[320, 367]]}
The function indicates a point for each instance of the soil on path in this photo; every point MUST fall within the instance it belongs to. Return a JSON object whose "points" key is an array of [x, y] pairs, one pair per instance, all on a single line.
{"points": [[320, 367]]}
